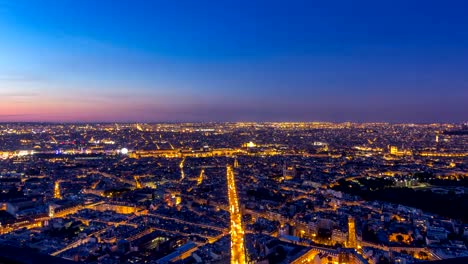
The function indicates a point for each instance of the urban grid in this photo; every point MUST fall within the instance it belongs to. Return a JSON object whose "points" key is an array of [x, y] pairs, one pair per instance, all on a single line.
{"points": [[233, 132], [234, 192]]}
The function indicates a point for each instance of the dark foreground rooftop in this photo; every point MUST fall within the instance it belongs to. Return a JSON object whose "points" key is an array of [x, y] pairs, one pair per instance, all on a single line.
{"points": [[17, 255], [463, 260]]}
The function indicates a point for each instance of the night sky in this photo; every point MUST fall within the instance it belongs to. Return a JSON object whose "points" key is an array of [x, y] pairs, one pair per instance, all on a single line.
{"points": [[176, 60]]}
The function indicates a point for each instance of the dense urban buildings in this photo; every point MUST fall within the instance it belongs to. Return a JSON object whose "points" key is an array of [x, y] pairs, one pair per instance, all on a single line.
{"points": [[182, 132], [234, 192]]}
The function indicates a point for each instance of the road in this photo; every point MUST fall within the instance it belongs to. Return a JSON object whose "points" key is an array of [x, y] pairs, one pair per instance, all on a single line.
{"points": [[237, 231]]}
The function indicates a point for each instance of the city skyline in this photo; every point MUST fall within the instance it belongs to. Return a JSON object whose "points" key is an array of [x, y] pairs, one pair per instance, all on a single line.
{"points": [[259, 132], [203, 61], [192, 193]]}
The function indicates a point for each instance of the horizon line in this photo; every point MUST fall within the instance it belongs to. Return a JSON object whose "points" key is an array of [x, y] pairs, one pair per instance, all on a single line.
{"points": [[229, 122]]}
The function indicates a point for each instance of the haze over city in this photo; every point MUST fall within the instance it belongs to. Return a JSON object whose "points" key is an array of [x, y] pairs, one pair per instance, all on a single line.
{"points": [[85, 61]]}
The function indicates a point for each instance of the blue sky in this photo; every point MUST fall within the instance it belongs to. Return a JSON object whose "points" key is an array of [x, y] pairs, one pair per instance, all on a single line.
{"points": [[395, 61]]}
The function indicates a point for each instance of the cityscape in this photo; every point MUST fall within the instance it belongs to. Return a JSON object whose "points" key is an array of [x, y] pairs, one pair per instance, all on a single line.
{"points": [[234, 192], [233, 132]]}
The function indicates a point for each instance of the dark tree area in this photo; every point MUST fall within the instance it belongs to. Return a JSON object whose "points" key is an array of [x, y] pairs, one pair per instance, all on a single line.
{"points": [[448, 205], [430, 178]]}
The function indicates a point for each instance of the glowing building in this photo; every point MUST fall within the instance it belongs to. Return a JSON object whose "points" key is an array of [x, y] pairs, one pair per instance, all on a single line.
{"points": [[57, 194], [352, 240]]}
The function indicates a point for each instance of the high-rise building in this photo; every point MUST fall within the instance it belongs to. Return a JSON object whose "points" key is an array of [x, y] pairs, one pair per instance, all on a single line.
{"points": [[393, 150], [352, 240]]}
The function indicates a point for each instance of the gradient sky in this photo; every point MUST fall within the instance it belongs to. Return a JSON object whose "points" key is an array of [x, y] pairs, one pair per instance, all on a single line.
{"points": [[88, 60]]}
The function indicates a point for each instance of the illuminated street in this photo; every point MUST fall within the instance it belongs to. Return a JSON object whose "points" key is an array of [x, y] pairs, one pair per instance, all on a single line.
{"points": [[237, 231]]}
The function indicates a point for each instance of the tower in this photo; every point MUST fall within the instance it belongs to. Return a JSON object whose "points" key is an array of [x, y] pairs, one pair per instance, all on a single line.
{"points": [[236, 228], [236, 163], [57, 194], [352, 241], [51, 210]]}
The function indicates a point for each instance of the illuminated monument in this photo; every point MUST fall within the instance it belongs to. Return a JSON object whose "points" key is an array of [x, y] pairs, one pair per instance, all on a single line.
{"points": [[352, 241], [57, 194], [237, 231]]}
